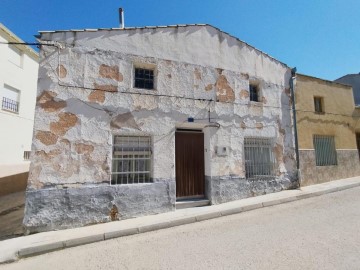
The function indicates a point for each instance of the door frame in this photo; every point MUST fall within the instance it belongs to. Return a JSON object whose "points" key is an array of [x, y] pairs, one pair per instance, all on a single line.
{"points": [[192, 129]]}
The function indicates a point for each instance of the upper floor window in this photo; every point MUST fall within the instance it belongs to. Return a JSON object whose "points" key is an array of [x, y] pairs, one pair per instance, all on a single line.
{"points": [[10, 99], [144, 78], [318, 104], [254, 92], [15, 56]]}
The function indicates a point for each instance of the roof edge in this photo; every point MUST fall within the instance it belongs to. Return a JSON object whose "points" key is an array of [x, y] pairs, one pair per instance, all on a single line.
{"points": [[166, 26], [14, 38], [324, 80]]}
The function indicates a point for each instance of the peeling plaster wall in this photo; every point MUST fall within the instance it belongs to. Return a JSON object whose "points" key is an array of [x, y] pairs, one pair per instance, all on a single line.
{"points": [[86, 95]]}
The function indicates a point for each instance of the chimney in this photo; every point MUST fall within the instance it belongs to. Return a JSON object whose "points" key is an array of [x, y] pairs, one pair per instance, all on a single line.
{"points": [[121, 18]]}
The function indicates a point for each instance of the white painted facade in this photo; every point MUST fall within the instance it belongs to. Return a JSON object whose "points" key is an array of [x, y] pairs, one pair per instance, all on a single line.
{"points": [[18, 83], [86, 96]]}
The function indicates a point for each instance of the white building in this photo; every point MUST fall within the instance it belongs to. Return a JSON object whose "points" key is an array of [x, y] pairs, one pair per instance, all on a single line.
{"points": [[18, 80], [132, 121]]}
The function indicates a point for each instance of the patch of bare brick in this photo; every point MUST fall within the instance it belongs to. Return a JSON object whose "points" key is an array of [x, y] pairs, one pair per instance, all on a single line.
{"points": [[83, 148], [46, 137], [197, 74], [209, 87], [224, 92], [61, 71], [244, 94], [263, 99], [97, 96], [110, 72], [66, 121], [106, 87], [259, 125], [46, 101]]}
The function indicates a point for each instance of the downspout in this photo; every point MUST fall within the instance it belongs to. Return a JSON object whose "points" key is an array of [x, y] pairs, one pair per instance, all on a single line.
{"points": [[292, 91]]}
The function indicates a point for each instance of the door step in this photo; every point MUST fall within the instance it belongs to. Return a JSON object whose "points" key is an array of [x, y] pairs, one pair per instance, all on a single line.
{"points": [[189, 203]]}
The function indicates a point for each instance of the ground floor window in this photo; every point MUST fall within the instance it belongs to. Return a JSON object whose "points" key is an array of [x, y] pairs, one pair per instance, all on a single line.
{"points": [[325, 151], [259, 158], [131, 159]]}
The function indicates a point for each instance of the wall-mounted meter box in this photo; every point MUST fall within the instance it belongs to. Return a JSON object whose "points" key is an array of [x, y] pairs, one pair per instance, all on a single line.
{"points": [[222, 151]]}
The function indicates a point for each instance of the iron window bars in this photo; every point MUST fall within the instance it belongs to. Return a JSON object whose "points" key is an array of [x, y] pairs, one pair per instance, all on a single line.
{"points": [[144, 78], [131, 160], [10, 105], [259, 158], [254, 93], [325, 151]]}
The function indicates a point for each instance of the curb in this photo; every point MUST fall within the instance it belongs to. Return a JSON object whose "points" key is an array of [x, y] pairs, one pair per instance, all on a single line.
{"points": [[36, 249]]}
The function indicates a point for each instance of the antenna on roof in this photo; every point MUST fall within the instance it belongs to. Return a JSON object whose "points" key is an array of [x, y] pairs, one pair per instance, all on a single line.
{"points": [[121, 18]]}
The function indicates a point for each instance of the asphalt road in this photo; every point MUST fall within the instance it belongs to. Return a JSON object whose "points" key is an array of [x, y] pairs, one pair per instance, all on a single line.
{"points": [[317, 233]]}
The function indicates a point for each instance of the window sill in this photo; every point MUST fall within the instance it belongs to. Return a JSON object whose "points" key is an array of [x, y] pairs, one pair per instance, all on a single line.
{"points": [[321, 113], [10, 111]]}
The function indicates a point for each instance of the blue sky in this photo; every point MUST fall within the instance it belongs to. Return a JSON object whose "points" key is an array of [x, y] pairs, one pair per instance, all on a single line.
{"points": [[320, 37]]}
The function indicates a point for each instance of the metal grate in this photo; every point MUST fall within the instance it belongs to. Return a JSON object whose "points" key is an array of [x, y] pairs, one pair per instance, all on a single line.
{"points": [[325, 151], [131, 160], [144, 78], [259, 158], [27, 155], [10, 105], [254, 93]]}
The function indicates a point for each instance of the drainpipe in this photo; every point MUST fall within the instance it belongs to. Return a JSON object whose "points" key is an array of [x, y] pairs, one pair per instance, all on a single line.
{"points": [[292, 90]]}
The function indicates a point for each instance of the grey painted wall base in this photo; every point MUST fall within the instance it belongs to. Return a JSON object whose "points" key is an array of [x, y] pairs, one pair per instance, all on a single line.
{"points": [[222, 189], [53, 209], [348, 165]]}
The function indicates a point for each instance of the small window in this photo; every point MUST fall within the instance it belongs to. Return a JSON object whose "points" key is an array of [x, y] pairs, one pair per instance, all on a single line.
{"points": [[318, 104], [10, 99], [131, 160], [254, 92], [259, 158], [144, 78], [325, 151]]}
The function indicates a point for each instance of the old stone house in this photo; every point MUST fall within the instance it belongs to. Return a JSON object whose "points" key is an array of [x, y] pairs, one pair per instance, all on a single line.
{"points": [[130, 121]]}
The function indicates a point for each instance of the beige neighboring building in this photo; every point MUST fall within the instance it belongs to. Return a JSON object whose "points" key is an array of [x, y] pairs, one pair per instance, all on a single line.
{"points": [[18, 85], [326, 126]]}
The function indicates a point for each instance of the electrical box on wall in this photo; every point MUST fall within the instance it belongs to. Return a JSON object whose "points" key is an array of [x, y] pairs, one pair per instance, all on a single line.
{"points": [[222, 151]]}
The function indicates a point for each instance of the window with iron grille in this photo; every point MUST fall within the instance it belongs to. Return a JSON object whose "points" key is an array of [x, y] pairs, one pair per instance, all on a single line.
{"points": [[325, 151], [318, 104], [144, 78], [259, 158], [131, 160], [10, 99], [254, 92]]}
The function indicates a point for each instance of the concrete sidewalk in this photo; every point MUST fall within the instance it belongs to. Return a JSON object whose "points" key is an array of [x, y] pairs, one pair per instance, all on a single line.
{"points": [[13, 249]]}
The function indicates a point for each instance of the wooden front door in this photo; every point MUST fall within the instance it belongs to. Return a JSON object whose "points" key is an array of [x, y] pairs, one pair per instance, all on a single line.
{"points": [[189, 162]]}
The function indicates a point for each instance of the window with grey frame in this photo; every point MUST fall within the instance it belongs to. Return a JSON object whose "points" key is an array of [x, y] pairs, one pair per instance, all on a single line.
{"points": [[144, 78], [325, 151], [259, 158], [131, 161]]}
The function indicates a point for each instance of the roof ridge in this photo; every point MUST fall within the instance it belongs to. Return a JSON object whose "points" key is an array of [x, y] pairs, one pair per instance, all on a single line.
{"points": [[166, 26]]}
